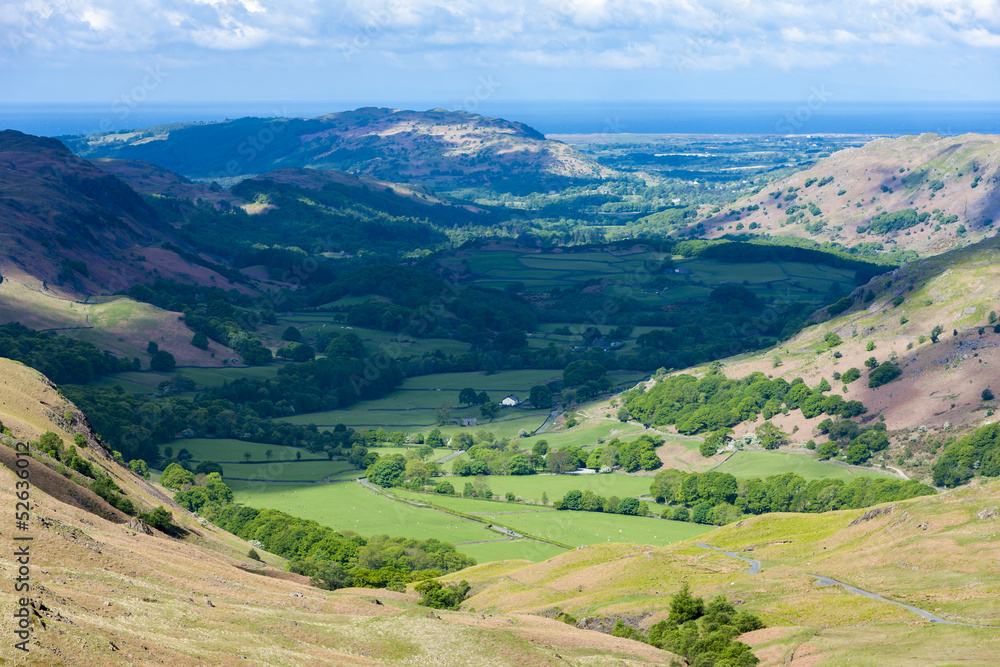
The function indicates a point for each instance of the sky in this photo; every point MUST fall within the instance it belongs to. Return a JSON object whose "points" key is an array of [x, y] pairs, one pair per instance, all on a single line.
{"points": [[457, 53]]}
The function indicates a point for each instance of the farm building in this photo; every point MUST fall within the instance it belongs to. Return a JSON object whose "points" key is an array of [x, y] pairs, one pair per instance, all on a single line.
{"points": [[467, 421], [510, 401]]}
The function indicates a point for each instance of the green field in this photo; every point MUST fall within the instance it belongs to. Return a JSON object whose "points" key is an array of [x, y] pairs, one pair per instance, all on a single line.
{"points": [[224, 449], [283, 471], [531, 487], [141, 382], [395, 344], [413, 407], [350, 506], [579, 528], [589, 433], [746, 465]]}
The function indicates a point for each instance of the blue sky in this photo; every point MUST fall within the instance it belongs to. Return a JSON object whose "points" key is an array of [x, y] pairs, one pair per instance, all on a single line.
{"points": [[449, 52]]}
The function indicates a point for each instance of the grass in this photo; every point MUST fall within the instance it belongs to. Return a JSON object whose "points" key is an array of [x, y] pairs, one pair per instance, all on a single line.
{"points": [[400, 345], [745, 465], [588, 433], [143, 382], [280, 471], [350, 506], [579, 528], [224, 449], [511, 550], [531, 487]]}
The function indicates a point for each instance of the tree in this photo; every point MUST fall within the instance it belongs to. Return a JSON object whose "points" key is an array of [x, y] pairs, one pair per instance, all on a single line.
{"points": [[386, 471], [139, 467], [444, 413], [467, 396], [200, 340], [936, 333], [541, 397], [253, 555], [291, 334], [247, 456], [850, 375], [176, 477], [159, 518], [434, 438], [560, 461], [151, 348], [685, 607], [885, 373], [483, 397], [630, 506], [519, 465], [987, 394], [162, 362], [489, 410], [268, 454], [79, 439]]}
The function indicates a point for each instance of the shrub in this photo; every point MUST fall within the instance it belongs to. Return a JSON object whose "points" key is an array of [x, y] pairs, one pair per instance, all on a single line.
{"points": [[162, 362], [159, 518], [884, 374], [850, 375]]}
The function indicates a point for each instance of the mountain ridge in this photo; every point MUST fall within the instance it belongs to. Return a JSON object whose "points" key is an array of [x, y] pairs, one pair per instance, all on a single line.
{"points": [[389, 144]]}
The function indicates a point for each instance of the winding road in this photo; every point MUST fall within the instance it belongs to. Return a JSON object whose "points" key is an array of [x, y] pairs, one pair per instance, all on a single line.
{"points": [[754, 564], [827, 581]]}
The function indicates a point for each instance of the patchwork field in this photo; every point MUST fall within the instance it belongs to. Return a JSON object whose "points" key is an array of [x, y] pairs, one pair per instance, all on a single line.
{"points": [[531, 487], [763, 464], [392, 343]]}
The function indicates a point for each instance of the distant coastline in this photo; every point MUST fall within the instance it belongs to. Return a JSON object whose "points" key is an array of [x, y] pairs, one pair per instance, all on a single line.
{"points": [[791, 117]]}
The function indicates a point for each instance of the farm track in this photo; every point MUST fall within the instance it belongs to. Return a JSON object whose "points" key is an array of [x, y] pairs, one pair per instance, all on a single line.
{"points": [[821, 580]]}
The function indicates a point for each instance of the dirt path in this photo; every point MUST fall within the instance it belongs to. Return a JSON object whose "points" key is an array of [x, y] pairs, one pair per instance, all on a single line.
{"points": [[826, 581], [754, 564]]}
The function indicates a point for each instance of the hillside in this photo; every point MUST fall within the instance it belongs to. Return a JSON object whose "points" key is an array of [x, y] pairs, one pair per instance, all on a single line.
{"points": [[71, 229], [955, 181], [390, 144], [934, 553], [106, 591], [939, 392]]}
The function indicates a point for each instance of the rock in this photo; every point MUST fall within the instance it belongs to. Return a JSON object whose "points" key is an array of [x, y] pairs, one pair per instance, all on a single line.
{"points": [[988, 513], [209, 603], [296, 595], [872, 514], [139, 526]]}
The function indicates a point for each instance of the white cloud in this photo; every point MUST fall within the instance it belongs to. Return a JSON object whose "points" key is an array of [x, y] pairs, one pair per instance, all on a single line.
{"points": [[608, 35]]}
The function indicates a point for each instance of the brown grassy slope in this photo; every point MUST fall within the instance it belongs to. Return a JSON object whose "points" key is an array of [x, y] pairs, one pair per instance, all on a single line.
{"points": [[935, 553], [906, 166], [105, 593], [56, 208], [117, 324]]}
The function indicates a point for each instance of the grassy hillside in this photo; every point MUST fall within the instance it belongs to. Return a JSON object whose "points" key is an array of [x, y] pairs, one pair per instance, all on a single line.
{"points": [[934, 553], [954, 180]]}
